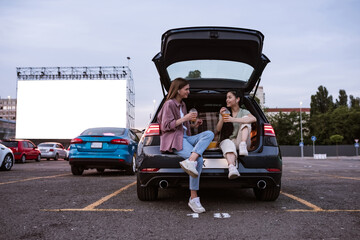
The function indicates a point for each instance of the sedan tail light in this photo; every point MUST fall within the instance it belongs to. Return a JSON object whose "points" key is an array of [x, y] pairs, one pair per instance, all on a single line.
{"points": [[153, 130], [51, 150], [76, 141], [269, 130], [120, 141]]}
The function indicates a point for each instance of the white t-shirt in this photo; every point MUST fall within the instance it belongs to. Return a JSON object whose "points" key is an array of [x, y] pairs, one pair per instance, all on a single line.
{"points": [[182, 115]]}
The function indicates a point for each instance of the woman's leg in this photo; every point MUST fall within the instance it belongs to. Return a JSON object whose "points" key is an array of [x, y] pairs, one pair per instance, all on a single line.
{"points": [[200, 142], [194, 201], [229, 151]]}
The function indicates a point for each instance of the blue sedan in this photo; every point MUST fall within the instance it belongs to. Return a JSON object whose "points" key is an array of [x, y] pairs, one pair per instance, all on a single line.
{"points": [[103, 148]]}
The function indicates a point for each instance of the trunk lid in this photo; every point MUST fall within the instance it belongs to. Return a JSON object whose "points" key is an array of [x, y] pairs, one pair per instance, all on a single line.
{"points": [[212, 57]]}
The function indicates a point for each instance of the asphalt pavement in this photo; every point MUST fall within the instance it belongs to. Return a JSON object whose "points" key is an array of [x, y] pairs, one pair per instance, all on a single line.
{"points": [[43, 200]]}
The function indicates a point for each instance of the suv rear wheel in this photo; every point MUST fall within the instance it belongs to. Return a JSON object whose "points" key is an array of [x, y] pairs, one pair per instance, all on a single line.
{"points": [[267, 194], [146, 193]]}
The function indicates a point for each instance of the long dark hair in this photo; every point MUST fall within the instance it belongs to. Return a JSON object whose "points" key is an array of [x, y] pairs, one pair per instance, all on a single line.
{"points": [[175, 86]]}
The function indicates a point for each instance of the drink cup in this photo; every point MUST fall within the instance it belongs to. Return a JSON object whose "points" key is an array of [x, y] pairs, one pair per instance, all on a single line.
{"points": [[225, 114], [193, 110]]}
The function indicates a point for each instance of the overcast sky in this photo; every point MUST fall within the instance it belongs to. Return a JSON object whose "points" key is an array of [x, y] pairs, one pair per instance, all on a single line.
{"points": [[310, 43]]}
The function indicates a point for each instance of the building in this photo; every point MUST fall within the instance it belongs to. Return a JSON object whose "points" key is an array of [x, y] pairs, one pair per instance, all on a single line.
{"points": [[274, 111], [261, 96], [8, 109]]}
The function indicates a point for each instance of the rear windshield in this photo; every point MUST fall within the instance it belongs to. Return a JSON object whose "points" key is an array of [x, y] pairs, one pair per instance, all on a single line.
{"points": [[104, 131], [46, 145], [218, 69], [10, 144]]}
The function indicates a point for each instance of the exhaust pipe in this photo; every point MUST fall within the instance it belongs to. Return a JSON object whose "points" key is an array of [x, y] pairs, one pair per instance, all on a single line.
{"points": [[261, 184], [163, 184]]}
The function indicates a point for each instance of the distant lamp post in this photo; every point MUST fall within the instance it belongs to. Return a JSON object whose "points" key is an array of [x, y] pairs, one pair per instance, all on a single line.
{"points": [[128, 58], [301, 135]]}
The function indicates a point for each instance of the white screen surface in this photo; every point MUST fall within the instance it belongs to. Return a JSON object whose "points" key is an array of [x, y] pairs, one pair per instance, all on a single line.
{"points": [[62, 109]]}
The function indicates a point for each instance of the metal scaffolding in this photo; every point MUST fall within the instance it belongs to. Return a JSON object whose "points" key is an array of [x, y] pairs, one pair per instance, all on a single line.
{"points": [[71, 73]]}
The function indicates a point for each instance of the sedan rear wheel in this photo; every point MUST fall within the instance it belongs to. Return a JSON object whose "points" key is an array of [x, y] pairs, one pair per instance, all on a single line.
{"points": [[8, 163], [132, 168], [149, 193], [23, 158], [77, 170], [38, 159], [56, 157]]}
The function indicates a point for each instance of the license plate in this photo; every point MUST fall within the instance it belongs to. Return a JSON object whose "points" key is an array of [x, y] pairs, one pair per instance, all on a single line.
{"points": [[96, 145], [216, 163]]}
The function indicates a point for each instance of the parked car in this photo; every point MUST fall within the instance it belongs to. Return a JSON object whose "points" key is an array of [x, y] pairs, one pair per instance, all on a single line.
{"points": [[6, 158], [53, 150], [214, 60], [104, 148], [23, 150]]}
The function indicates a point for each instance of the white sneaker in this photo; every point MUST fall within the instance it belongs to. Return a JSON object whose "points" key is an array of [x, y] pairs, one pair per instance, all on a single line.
{"points": [[189, 167], [243, 149], [195, 205], [233, 172]]}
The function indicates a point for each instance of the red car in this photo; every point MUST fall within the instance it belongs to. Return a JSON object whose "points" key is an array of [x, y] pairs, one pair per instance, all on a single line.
{"points": [[23, 150]]}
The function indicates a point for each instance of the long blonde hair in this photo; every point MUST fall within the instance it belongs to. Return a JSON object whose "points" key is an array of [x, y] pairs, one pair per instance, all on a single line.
{"points": [[175, 86]]}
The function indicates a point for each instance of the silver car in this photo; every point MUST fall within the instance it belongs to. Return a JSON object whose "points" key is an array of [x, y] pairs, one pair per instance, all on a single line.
{"points": [[52, 150]]}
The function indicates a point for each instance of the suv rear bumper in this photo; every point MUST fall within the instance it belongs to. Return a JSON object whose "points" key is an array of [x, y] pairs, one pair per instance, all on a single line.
{"points": [[210, 179]]}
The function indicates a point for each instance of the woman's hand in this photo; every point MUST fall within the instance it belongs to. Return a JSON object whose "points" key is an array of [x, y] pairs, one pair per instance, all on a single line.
{"points": [[190, 116], [229, 118], [223, 109], [198, 123]]}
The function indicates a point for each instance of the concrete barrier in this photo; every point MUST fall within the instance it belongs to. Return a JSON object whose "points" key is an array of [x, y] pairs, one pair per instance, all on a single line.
{"points": [[319, 156]]}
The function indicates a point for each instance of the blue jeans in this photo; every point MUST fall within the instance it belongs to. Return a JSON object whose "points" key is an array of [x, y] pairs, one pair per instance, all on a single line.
{"points": [[197, 143]]}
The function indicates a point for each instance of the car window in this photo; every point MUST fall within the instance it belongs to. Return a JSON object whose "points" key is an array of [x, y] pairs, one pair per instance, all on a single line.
{"points": [[45, 145], [104, 131], [30, 145], [25, 144], [10, 144], [218, 69]]}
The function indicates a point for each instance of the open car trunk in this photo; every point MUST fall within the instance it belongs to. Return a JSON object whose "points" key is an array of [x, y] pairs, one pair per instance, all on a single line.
{"points": [[208, 106]]}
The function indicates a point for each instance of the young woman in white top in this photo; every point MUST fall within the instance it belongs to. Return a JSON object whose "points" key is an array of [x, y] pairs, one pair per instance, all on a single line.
{"points": [[241, 120]]}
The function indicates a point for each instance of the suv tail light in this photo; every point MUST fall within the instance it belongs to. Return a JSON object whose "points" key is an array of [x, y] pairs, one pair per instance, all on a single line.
{"points": [[153, 130], [120, 141], [150, 169], [268, 130], [76, 141]]}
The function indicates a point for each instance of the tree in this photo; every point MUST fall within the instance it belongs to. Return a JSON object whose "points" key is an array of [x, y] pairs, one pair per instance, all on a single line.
{"points": [[336, 139], [194, 74], [354, 102], [321, 102], [287, 127], [343, 99]]}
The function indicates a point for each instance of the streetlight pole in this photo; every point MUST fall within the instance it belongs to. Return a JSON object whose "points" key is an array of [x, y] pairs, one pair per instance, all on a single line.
{"points": [[301, 135]]}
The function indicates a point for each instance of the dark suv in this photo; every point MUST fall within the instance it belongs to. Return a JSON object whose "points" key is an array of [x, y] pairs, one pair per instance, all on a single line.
{"points": [[214, 60]]}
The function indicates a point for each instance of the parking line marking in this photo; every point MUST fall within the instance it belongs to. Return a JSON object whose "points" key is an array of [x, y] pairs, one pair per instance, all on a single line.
{"points": [[91, 207], [323, 210], [104, 199], [306, 203], [35, 178], [335, 176], [87, 210]]}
